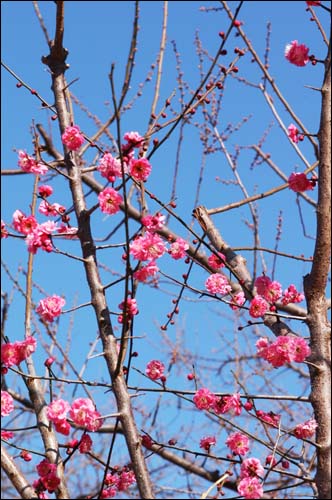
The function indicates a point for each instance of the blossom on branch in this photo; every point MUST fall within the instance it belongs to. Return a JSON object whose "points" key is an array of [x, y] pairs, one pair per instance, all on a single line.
{"points": [[178, 249], [238, 443], [294, 134], [50, 308], [15, 353], [109, 201], [306, 430], [7, 403], [206, 443], [155, 369], [72, 138], [250, 487], [140, 169], [30, 165], [297, 54], [299, 182], [204, 399], [217, 283], [147, 247]]}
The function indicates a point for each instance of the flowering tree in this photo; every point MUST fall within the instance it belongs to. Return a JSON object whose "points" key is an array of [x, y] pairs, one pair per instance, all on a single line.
{"points": [[130, 404]]}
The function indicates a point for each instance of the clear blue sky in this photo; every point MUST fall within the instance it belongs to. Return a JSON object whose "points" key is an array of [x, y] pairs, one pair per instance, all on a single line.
{"points": [[97, 34]]}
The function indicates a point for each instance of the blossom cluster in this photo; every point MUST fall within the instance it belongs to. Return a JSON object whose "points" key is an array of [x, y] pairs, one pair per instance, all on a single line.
{"points": [[16, 352], [82, 412], [298, 182], [306, 429], [118, 481], [285, 349], [30, 165], [251, 473], [48, 479], [204, 399], [294, 134], [7, 403]]}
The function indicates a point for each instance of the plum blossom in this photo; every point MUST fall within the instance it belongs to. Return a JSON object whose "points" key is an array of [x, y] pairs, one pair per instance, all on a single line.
{"points": [[147, 247], [127, 478], [273, 292], [204, 399], [22, 223], [231, 404], [153, 222], [217, 261], [145, 272], [7, 403], [57, 410], [72, 138], [4, 232], [50, 308], [299, 182], [284, 349], [15, 353], [40, 237], [217, 283], [155, 369], [296, 53], [51, 209], [237, 300], [140, 169], [250, 487], [251, 467], [45, 190], [306, 429], [258, 307], [178, 249], [30, 165], [7, 435], [294, 134], [206, 443], [269, 418], [110, 200], [262, 283], [238, 443], [129, 307], [291, 295], [85, 444], [134, 139], [83, 413], [110, 167]]}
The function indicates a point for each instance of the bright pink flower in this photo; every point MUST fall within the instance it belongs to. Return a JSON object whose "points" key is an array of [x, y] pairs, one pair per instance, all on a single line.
{"points": [[7, 435], [217, 262], [153, 222], [69, 233], [7, 403], [40, 237], [270, 418], [206, 443], [50, 482], [155, 369], [51, 209], [230, 404], [85, 444], [140, 169], [294, 134], [30, 165], [45, 190], [57, 410], [306, 429], [145, 272], [204, 399], [238, 443], [134, 139], [4, 232], [83, 413], [45, 467], [178, 249], [301, 350], [63, 427], [250, 487], [217, 283], [258, 307], [238, 299], [22, 223], [15, 353], [292, 295], [129, 307], [110, 200], [50, 307], [110, 167], [262, 283], [127, 478], [108, 493], [251, 467], [299, 182], [147, 247], [284, 349], [73, 138], [297, 54], [273, 292]]}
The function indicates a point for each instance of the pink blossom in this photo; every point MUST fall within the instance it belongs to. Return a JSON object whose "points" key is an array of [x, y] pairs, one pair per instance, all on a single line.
{"points": [[297, 54], [217, 262], [204, 399], [294, 134], [7, 403], [150, 270], [134, 139], [108, 493], [284, 349], [306, 429], [40, 237], [299, 182], [30, 165], [250, 487], [62, 426], [178, 249], [50, 482], [140, 169], [273, 292], [206, 443], [57, 410], [230, 404], [110, 167], [127, 478], [147, 247], [270, 460], [237, 300], [50, 209], [27, 457], [83, 413], [50, 308], [22, 223], [45, 467], [155, 369], [262, 283], [291, 295], [258, 307], [4, 232], [270, 418], [301, 350], [67, 232], [217, 283], [45, 190], [85, 444], [110, 200], [73, 138], [7, 435], [129, 307], [153, 222], [238, 443], [15, 353], [251, 467]]}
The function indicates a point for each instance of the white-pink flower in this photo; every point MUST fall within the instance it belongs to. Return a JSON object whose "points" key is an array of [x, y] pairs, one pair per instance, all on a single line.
{"points": [[155, 369], [217, 283], [57, 410], [251, 467], [206, 443], [7, 403], [30, 165], [178, 249], [147, 247], [306, 429], [258, 307], [110, 167], [250, 487], [50, 307], [83, 413]]}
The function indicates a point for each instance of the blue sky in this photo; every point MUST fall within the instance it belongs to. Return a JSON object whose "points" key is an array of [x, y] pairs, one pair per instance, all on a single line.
{"points": [[97, 34]]}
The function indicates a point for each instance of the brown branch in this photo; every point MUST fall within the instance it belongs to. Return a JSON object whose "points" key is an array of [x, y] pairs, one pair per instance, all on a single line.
{"points": [[16, 477]]}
